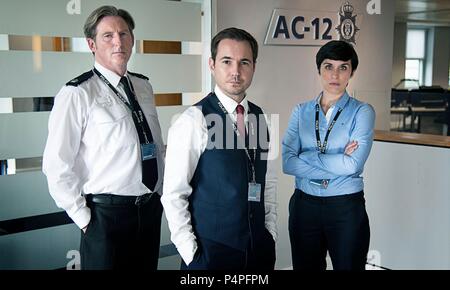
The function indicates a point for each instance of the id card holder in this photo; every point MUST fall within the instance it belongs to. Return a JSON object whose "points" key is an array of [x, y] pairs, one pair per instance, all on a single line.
{"points": [[254, 191], [148, 151], [323, 183]]}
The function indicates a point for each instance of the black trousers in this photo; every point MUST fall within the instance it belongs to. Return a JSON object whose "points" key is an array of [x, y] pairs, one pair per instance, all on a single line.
{"points": [[122, 236], [211, 255], [337, 224]]}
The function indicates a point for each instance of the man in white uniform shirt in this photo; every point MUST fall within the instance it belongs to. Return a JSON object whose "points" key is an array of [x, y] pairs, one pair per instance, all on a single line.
{"points": [[219, 190], [104, 153]]}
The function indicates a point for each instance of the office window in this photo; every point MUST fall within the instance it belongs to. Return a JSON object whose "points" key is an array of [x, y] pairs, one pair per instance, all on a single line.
{"points": [[415, 57], [413, 72]]}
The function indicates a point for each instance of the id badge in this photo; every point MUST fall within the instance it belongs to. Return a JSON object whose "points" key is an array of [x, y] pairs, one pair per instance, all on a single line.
{"points": [[148, 151], [323, 183], [254, 192]]}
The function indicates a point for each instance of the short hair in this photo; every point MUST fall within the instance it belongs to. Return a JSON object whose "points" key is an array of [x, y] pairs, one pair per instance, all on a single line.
{"points": [[90, 26], [234, 34], [337, 50]]}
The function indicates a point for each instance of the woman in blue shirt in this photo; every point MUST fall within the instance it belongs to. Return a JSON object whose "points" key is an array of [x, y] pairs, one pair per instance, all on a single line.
{"points": [[326, 144]]}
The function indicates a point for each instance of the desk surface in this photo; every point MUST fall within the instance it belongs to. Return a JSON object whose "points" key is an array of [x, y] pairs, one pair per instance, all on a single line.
{"points": [[413, 138], [399, 109], [416, 110], [426, 110]]}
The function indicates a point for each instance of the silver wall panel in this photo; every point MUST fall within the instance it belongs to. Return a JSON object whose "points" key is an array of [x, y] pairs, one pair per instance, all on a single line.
{"points": [[39, 249], [170, 263], [25, 134], [32, 74], [167, 115], [25, 194], [155, 20]]}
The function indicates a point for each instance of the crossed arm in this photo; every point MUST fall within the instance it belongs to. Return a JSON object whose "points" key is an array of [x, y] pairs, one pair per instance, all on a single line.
{"points": [[315, 165]]}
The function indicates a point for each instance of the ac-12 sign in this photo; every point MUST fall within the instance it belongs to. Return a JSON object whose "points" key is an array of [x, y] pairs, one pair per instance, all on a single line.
{"points": [[296, 27]]}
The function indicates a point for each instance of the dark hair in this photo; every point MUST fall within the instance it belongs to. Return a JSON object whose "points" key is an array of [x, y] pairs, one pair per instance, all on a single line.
{"points": [[90, 26], [337, 50], [235, 34]]}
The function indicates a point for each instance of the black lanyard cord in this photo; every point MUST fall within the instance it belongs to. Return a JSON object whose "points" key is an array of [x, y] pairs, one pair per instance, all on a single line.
{"points": [[320, 147], [138, 115]]}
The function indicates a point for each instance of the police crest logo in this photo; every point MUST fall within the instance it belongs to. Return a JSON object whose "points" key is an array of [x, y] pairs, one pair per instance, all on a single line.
{"points": [[347, 28]]}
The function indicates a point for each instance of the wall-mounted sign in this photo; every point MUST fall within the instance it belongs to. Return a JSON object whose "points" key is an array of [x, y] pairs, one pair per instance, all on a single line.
{"points": [[298, 27], [347, 25]]}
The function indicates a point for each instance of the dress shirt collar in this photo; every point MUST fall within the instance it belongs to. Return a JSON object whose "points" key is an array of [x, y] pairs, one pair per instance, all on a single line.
{"points": [[230, 104], [342, 101], [111, 76]]}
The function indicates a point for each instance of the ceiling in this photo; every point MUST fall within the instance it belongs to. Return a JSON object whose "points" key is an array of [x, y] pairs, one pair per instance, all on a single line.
{"points": [[430, 12]]}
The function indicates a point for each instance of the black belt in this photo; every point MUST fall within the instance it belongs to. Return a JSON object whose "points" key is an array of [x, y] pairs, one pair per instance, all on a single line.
{"points": [[112, 199]]}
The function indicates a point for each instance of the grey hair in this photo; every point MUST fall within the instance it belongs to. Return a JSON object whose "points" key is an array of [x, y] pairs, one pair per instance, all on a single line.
{"points": [[90, 26]]}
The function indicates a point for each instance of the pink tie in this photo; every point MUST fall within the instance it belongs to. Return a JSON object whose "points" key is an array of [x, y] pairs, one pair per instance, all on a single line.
{"points": [[240, 120]]}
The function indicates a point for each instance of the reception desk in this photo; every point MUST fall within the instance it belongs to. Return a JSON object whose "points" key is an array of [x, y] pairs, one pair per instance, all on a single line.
{"points": [[407, 189], [412, 138]]}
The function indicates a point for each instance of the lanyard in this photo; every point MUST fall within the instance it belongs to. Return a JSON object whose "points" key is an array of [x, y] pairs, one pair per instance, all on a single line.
{"points": [[246, 150], [323, 147], [137, 112]]}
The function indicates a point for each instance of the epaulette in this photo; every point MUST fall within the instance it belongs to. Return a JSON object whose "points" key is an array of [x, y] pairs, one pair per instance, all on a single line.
{"points": [[138, 75], [80, 79]]}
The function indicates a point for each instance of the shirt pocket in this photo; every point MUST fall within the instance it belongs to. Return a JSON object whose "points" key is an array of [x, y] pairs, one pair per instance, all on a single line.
{"points": [[115, 127]]}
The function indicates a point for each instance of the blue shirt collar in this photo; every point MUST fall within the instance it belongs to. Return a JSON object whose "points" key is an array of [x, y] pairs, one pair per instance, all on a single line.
{"points": [[340, 103]]}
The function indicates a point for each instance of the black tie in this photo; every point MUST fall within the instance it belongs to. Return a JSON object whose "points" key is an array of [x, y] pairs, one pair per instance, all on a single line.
{"points": [[150, 166]]}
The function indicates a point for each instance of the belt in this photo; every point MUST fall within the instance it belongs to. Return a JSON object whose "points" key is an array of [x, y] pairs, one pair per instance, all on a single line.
{"points": [[112, 199]]}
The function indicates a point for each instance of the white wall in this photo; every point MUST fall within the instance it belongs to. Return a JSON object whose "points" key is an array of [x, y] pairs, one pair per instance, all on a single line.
{"points": [[287, 75], [408, 201]]}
